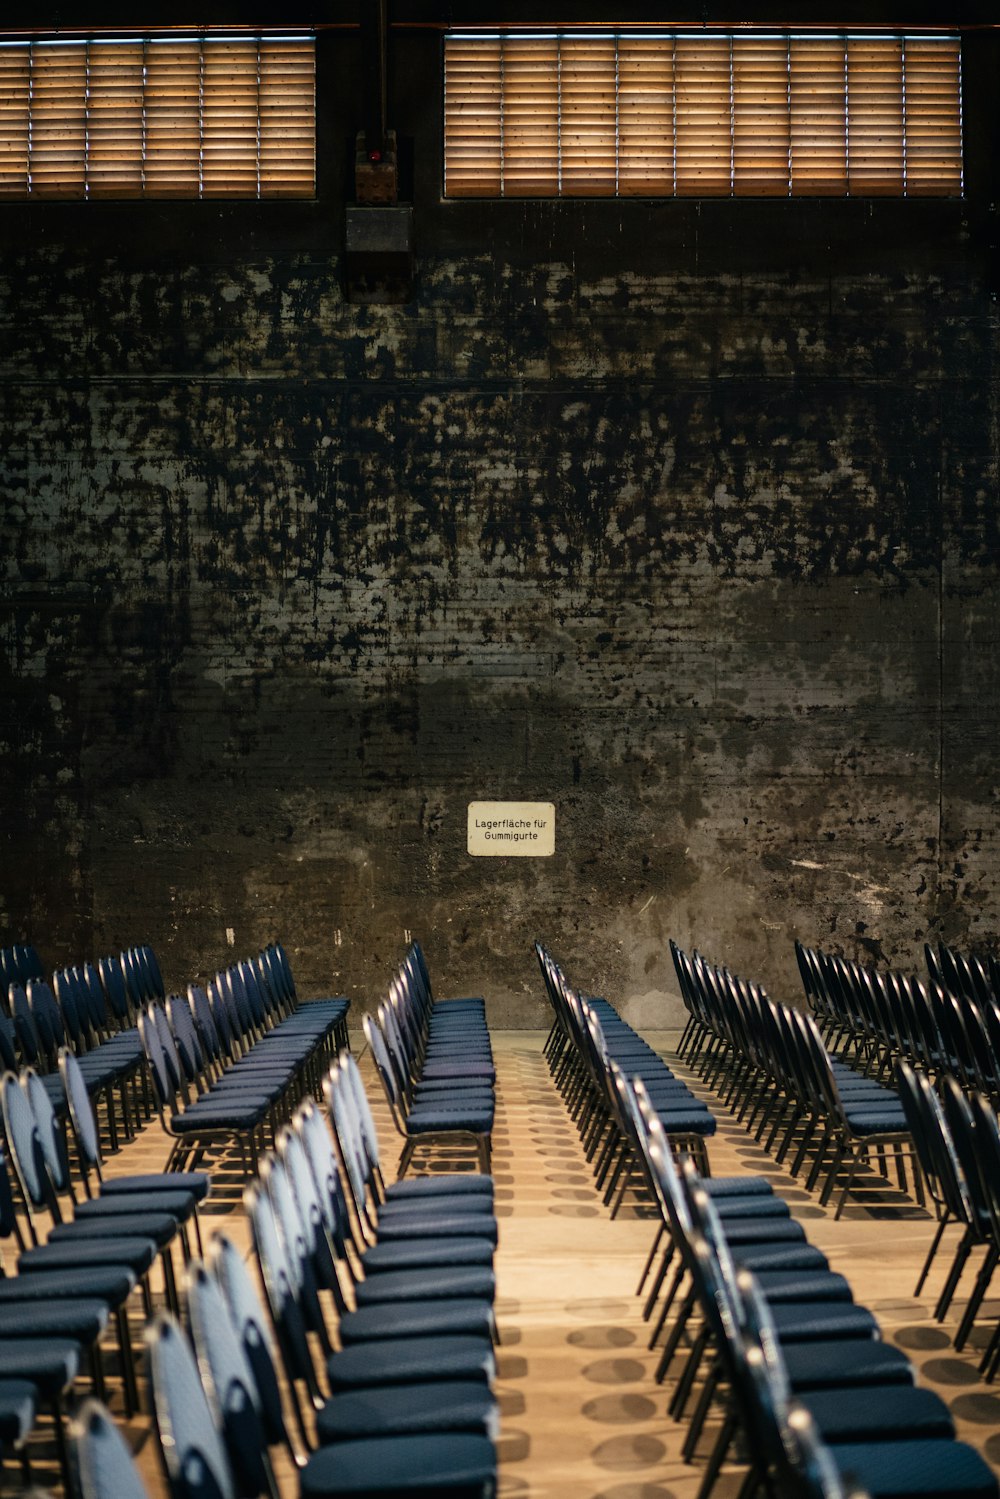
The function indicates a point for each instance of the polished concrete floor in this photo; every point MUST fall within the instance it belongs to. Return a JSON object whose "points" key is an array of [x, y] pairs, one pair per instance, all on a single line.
{"points": [[581, 1414]]}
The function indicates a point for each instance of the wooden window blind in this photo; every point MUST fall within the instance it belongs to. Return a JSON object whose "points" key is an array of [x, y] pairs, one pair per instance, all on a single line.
{"points": [[661, 114], [158, 117]]}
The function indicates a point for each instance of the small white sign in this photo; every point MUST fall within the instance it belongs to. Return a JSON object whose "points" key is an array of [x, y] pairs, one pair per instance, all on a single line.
{"points": [[522, 830]]}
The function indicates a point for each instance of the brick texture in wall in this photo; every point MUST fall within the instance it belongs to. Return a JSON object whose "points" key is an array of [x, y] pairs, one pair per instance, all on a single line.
{"points": [[703, 554]]}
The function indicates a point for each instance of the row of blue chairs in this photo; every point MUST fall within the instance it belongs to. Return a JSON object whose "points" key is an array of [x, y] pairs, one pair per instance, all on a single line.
{"points": [[435, 1062], [227, 1062], [402, 1400], [958, 1143], [976, 978], [586, 1036], [822, 1406], [771, 1065], [879, 1018], [84, 1245]]}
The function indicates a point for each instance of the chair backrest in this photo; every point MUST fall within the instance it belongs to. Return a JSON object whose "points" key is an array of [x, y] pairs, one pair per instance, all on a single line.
{"points": [[9, 1226], [168, 1045], [296, 1234], [351, 1073], [281, 1286], [250, 1322], [164, 1089], [933, 1142], [194, 1454], [49, 1130], [136, 979], [285, 968], [326, 1172], [201, 1012], [182, 1026], [8, 1044], [152, 968], [25, 1149], [81, 1112], [112, 976], [92, 993], [230, 1385], [325, 1256], [345, 1127], [104, 1463], [72, 1004], [48, 1018], [25, 1028], [376, 1040]]}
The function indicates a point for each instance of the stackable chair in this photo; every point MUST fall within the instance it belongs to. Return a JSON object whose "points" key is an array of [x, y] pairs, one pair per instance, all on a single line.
{"points": [[402, 1242], [587, 1038], [357, 1141], [460, 1464], [276, 973], [102, 1461], [875, 1456], [368, 1410], [160, 1215], [448, 1121], [176, 1192], [241, 1116], [395, 1346]]}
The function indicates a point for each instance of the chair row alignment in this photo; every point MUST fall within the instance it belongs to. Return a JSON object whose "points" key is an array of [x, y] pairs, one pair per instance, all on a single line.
{"points": [[586, 1036], [770, 1064], [434, 1059], [395, 1290], [228, 1061], [948, 1025], [762, 1335]]}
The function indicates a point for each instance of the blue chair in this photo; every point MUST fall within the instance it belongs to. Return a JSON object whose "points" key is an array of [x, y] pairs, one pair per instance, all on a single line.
{"points": [[102, 1460]]}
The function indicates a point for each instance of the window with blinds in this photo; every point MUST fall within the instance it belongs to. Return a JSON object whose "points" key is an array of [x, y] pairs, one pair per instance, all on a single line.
{"points": [[681, 115], [158, 117]]}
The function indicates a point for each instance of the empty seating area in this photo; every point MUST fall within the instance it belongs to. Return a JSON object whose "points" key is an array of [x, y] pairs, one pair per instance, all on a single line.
{"points": [[410, 1255]]}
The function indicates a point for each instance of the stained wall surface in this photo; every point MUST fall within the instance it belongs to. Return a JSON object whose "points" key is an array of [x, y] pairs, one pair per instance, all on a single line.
{"points": [[679, 515]]}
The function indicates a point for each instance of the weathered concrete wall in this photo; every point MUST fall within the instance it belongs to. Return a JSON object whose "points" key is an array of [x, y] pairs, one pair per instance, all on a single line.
{"points": [[680, 516]]}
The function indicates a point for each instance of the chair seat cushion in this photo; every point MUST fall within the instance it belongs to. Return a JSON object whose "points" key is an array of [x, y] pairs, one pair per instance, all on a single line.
{"points": [[177, 1205], [159, 1227], [898, 1411], [454, 1182], [397, 1361], [830, 1365], [198, 1183], [428, 1285], [414, 1319], [905, 1470], [426, 1253], [137, 1254], [109, 1283], [18, 1405], [446, 1405], [83, 1320], [425, 1465], [50, 1364]]}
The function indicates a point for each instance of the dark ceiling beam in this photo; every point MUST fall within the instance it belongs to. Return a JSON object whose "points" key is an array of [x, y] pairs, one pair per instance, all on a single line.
{"points": [[374, 75]]}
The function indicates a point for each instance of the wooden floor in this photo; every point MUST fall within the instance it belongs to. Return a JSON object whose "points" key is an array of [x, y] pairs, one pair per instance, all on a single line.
{"points": [[581, 1415]]}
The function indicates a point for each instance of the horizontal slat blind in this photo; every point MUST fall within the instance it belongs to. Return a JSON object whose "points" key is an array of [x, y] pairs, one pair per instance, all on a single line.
{"points": [[874, 118], [703, 116], [761, 116], [287, 119], [114, 120], [159, 117], [588, 134], [645, 116], [755, 114], [933, 119], [817, 93], [530, 94], [472, 119]]}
